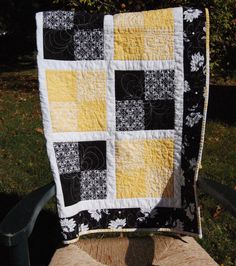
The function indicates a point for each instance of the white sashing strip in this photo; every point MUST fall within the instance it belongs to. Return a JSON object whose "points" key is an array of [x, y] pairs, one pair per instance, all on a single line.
{"points": [[143, 65], [72, 65], [39, 33], [108, 37], [81, 136], [111, 168], [145, 134], [110, 101], [179, 90], [46, 113]]}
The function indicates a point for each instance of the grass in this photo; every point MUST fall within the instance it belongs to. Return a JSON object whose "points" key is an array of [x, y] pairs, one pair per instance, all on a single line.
{"points": [[23, 154], [219, 164], [25, 165]]}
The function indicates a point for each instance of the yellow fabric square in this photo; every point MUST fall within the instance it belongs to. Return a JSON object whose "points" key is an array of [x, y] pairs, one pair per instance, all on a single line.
{"points": [[62, 85], [92, 115], [130, 184], [159, 35], [129, 154], [91, 85], [160, 183], [159, 19], [64, 116], [129, 20], [158, 154], [128, 44], [158, 45], [151, 161]]}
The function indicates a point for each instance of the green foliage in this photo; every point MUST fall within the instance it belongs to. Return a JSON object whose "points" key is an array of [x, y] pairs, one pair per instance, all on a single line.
{"points": [[223, 36]]}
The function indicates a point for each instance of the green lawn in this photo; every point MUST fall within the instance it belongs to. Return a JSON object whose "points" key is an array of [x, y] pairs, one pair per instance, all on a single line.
{"points": [[24, 163]]}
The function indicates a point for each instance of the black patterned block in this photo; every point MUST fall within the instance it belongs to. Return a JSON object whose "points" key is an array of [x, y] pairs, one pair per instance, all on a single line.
{"points": [[71, 188], [58, 44], [67, 157], [93, 184], [159, 85], [92, 155], [88, 44], [58, 20], [83, 20], [129, 85], [144, 100], [82, 169], [71, 35], [159, 114], [130, 115]]}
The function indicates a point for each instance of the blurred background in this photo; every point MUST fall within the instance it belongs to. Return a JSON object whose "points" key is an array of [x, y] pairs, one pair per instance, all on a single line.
{"points": [[23, 158]]}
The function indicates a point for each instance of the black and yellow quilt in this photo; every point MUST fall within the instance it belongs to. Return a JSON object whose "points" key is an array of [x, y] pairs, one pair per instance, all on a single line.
{"points": [[124, 101]]}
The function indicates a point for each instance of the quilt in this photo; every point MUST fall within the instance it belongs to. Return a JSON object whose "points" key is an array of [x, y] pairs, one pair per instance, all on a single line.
{"points": [[124, 101]]}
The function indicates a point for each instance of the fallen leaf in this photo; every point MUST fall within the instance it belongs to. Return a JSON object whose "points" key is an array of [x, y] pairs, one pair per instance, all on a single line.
{"points": [[39, 130], [217, 211]]}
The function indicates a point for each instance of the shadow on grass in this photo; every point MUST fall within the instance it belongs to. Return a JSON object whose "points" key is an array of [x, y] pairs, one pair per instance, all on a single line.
{"points": [[45, 238], [18, 67], [222, 106]]}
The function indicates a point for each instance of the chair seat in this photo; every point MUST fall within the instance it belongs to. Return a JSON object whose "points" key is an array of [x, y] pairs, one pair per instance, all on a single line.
{"points": [[134, 251]]}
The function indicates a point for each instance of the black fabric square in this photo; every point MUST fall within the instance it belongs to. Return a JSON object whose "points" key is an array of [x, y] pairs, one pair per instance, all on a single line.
{"points": [[58, 20], [92, 155], [93, 184], [71, 188], [73, 36], [83, 20], [159, 114], [159, 84], [89, 44], [67, 157], [58, 44], [82, 168], [129, 115], [129, 85]]}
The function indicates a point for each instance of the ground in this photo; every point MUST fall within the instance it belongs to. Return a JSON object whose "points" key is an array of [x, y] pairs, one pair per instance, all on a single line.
{"points": [[25, 165]]}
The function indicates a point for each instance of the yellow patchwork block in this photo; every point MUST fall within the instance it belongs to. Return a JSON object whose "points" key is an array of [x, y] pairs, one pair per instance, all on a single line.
{"points": [[159, 19], [129, 154], [158, 45], [158, 154], [152, 163], [128, 44], [160, 183], [131, 184], [92, 115], [159, 35], [64, 116], [62, 85], [144, 36], [91, 85], [77, 100], [129, 20]]}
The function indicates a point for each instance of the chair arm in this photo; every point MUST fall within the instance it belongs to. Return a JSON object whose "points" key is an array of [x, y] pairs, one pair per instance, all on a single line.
{"points": [[19, 222], [224, 194]]}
